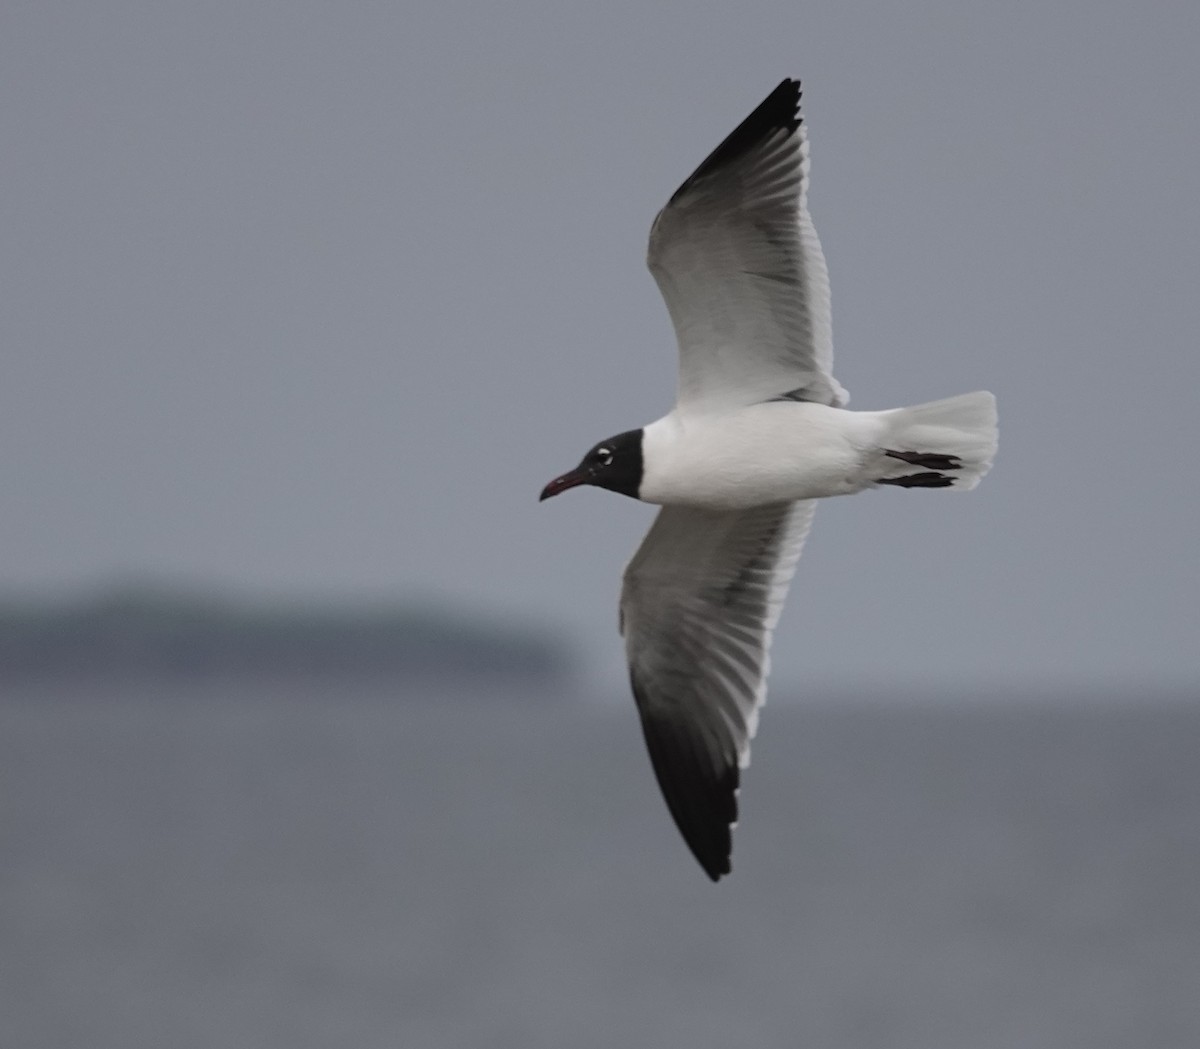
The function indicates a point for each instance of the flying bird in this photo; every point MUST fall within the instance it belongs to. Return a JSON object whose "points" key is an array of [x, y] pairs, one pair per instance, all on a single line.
{"points": [[758, 434]]}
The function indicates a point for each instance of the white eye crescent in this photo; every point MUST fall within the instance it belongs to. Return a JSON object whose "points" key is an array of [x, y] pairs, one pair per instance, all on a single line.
{"points": [[605, 456]]}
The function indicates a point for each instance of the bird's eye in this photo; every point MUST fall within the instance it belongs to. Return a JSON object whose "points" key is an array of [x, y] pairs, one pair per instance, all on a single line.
{"points": [[602, 456]]}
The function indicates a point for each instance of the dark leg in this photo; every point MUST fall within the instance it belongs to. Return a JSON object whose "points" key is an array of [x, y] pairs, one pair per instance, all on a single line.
{"points": [[922, 480], [930, 460]]}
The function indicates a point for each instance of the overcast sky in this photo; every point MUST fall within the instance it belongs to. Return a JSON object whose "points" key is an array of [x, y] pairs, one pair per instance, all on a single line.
{"points": [[312, 298]]}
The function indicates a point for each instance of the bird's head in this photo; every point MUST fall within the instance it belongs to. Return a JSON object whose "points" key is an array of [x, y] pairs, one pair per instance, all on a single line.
{"points": [[615, 464]]}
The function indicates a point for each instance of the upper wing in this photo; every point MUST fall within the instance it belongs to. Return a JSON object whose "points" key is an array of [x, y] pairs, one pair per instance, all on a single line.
{"points": [[699, 602], [737, 259]]}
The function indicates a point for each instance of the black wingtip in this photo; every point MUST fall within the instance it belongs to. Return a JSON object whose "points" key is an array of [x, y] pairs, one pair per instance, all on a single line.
{"points": [[780, 110], [699, 782], [718, 871]]}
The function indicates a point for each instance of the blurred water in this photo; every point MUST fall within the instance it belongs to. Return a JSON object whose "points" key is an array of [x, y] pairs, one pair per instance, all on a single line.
{"points": [[288, 867]]}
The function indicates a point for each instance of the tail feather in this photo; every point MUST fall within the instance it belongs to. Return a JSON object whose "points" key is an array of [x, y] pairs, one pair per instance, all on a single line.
{"points": [[952, 441]]}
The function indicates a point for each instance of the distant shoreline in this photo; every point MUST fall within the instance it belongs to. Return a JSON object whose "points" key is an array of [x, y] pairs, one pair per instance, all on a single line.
{"points": [[140, 634]]}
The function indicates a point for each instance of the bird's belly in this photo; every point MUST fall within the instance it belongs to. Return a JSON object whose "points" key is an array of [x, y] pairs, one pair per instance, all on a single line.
{"points": [[791, 452], [741, 485]]}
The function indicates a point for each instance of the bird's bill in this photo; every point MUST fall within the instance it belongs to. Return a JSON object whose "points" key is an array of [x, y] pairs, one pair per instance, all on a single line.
{"points": [[561, 484]]}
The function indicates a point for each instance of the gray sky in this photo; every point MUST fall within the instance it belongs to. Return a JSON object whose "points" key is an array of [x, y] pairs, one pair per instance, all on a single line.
{"points": [[313, 298]]}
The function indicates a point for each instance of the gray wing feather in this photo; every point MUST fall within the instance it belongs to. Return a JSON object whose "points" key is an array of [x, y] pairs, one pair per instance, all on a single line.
{"points": [[700, 600], [739, 264]]}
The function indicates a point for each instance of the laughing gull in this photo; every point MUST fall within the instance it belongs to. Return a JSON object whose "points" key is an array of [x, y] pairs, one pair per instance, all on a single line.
{"points": [[758, 434]]}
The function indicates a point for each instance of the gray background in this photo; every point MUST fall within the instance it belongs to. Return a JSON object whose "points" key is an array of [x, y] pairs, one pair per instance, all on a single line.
{"points": [[307, 298]]}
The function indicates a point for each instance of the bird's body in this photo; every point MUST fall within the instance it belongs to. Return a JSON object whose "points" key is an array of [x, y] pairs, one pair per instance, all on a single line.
{"points": [[759, 433], [785, 450], [777, 451]]}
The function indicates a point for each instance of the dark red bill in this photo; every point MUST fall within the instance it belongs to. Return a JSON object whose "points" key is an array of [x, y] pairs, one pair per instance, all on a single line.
{"points": [[561, 484]]}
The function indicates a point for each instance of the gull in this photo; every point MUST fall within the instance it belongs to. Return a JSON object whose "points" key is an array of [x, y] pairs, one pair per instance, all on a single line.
{"points": [[758, 434]]}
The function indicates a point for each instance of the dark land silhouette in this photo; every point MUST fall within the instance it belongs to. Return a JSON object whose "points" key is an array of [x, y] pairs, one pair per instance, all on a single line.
{"points": [[147, 632]]}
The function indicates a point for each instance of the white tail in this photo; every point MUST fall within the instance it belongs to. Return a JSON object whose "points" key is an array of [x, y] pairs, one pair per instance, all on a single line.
{"points": [[942, 444]]}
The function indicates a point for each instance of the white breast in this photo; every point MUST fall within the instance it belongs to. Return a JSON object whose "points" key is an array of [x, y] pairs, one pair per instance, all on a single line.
{"points": [[764, 453]]}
